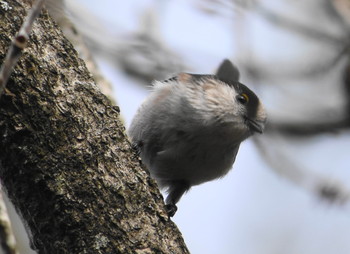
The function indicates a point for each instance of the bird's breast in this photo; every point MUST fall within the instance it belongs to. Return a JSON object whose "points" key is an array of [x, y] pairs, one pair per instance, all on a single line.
{"points": [[195, 160]]}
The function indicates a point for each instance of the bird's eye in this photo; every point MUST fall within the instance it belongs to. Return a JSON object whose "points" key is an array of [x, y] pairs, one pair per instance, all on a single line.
{"points": [[243, 98]]}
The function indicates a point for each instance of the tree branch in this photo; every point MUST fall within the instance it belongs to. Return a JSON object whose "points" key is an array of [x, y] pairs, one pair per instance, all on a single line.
{"points": [[65, 160]]}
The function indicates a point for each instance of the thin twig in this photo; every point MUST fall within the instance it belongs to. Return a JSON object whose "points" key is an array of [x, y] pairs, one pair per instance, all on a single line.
{"points": [[18, 44], [7, 239]]}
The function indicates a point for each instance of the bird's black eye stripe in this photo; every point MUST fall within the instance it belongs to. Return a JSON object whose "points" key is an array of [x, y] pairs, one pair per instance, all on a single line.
{"points": [[243, 98]]}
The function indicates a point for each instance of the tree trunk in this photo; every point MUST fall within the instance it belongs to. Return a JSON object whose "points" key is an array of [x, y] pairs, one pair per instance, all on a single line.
{"points": [[65, 160]]}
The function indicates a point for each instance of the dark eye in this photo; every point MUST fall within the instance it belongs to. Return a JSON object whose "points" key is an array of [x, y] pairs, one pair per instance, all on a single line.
{"points": [[243, 98]]}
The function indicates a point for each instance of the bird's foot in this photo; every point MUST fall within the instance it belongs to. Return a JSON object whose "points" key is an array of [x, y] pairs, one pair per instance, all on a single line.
{"points": [[171, 209], [136, 146]]}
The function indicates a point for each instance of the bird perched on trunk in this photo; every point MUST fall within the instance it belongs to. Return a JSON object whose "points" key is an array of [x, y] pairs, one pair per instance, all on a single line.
{"points": [[189, 129]]}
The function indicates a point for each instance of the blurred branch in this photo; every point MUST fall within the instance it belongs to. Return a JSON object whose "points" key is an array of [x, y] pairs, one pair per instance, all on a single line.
{"points": [[144, 54], [342, 45], [320, 68], [223, 8], [57, 9], [346, 78], [148, 59], [293, 25], [7, 238], [214, 7], [141, 54], [218, 6], [340, 10], [309, 128], [321, 186], [306, 129]]}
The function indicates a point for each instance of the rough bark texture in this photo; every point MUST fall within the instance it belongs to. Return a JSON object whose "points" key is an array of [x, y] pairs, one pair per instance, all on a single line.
{"points": [[65, 160]]}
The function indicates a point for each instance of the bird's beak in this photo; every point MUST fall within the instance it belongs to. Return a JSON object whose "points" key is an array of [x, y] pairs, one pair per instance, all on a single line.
{"points": [[256, 126]]}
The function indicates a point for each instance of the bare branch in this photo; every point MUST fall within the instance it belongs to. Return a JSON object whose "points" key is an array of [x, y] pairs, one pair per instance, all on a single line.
{"points": [[295, 129], [260, 71], [142, 54], [292, 25], [340, 11], [18, 44], [332, 191], [219, 6]]}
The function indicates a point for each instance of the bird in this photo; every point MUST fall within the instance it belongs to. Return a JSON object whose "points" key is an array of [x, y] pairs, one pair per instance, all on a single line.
{"points": [[189, 129]]}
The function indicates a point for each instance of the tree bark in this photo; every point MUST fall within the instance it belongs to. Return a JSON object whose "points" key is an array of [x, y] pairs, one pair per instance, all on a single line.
{"points": [[65, 160]]}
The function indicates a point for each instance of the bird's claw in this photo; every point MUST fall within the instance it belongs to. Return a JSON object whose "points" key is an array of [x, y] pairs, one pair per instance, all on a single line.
{"points": [[171, 209]]}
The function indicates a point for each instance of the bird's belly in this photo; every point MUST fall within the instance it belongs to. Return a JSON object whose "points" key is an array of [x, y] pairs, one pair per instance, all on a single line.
{"points": [[194, 164]]}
